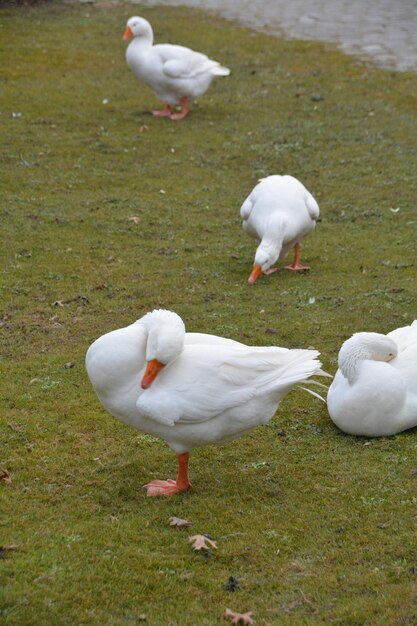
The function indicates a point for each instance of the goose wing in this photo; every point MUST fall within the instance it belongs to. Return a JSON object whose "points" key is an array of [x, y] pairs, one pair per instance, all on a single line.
{"points": [[206, 381], [182, 62]]}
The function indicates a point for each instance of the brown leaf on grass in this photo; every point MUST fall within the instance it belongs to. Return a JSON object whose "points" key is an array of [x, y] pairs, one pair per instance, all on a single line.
{"points": [[5, 476], [143, 128], [4, 550], [134, 218], [298, 567], [80, 298], [238, 618], [179, 523], [200, 542]]}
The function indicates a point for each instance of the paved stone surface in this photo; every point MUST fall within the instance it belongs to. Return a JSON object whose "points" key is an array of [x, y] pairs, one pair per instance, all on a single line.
{"points": [[382, 30]]}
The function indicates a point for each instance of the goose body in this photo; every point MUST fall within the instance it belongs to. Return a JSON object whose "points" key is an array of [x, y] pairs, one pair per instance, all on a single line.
{"points": [[207, 389], [279, 213], [175, 73], [374, 392]]}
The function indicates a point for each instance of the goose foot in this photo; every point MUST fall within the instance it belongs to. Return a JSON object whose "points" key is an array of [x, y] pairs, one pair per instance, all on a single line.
{"points": [[170, 487], [296, 265], [164, 113], [165, 488], [184, 111], [270, 270]]}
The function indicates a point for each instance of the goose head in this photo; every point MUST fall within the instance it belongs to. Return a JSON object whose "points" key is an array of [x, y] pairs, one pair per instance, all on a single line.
{"points": [[165, 341], [265, 257], [138, 27], [360, 346]]}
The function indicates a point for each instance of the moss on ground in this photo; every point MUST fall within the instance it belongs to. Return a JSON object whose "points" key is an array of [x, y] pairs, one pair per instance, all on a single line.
{"points": [[316, 526]]}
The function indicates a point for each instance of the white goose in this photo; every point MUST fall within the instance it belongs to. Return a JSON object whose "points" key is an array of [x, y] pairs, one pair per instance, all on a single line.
{"points": [[174, 73], [279, 212], [190, 389], [374, 392]]}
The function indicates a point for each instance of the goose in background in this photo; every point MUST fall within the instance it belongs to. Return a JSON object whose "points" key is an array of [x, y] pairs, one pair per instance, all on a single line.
{"points": [[176, 74]]}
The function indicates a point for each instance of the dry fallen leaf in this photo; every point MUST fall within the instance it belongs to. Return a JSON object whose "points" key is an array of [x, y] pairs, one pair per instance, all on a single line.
{"points": [[5, 476], [200, 542], [143, 128], [298, 567], [179, 523], [239, 618], [134, 218], [4, 550]]}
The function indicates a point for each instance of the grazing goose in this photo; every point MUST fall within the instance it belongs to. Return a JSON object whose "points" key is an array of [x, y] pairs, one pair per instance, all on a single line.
{"points": [[190, 389], [175, 73], [374, 392], [279, 212]]}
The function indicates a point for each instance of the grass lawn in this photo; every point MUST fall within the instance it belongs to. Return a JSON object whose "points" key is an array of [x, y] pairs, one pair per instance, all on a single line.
{"points": [[316, 526]]}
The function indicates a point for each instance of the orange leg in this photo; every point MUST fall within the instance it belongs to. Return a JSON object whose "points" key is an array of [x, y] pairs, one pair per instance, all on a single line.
{"points": [[164, 113], [169, 487], [296, 265], [184, 110]]}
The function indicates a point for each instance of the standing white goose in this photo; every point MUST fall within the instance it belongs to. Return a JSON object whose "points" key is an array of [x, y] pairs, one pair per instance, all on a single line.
{"points": [[190, 389], [374, 392], [279, 212], [175, 73]]}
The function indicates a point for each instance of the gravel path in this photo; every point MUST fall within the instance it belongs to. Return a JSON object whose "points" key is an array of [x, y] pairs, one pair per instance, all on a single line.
{"points": [[382, 30]]}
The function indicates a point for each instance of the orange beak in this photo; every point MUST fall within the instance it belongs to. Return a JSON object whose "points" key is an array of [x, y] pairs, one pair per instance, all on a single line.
{"points": [[127, 34], [151, 373], [256, 272]]}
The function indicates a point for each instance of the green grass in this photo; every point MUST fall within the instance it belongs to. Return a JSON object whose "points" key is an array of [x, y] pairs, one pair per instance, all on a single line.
{"points": [[317, 527]]}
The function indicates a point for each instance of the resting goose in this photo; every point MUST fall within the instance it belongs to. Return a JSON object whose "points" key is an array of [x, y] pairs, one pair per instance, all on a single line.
{"points": [[190, 389], [374, 392], [175, 73], [279, 212]]}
